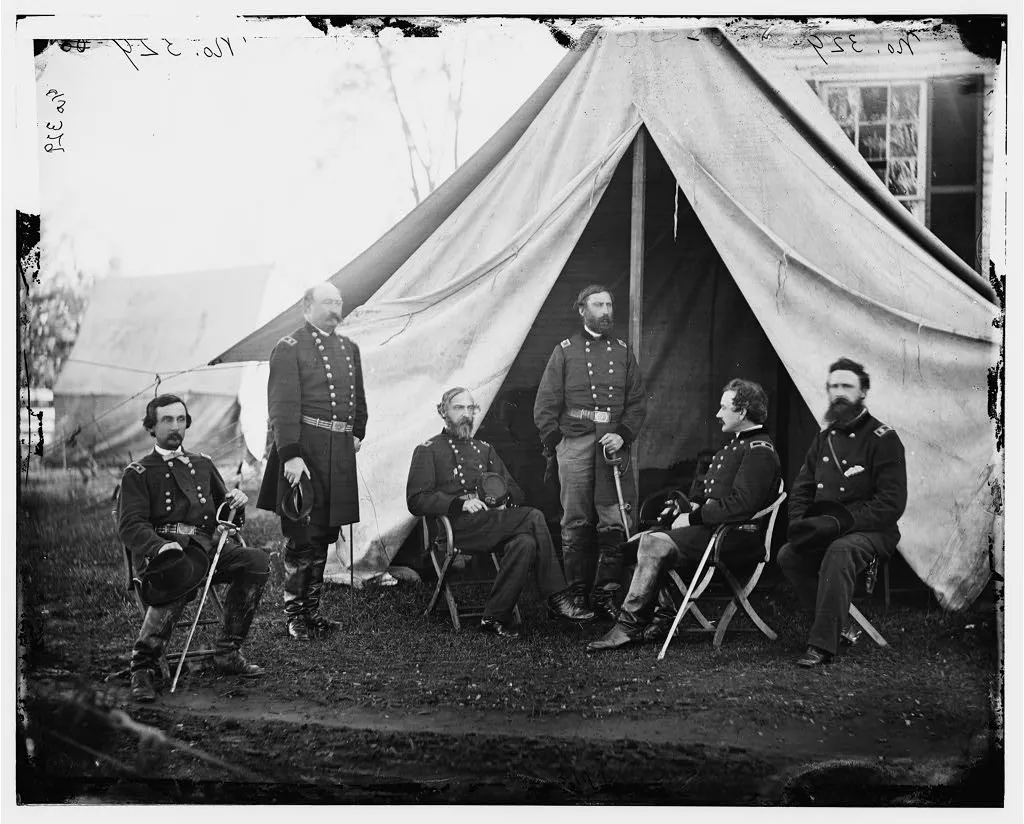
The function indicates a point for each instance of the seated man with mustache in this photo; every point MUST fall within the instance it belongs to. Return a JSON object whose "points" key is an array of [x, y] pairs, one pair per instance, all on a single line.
{"points": [[844, 507], [443, 480]]}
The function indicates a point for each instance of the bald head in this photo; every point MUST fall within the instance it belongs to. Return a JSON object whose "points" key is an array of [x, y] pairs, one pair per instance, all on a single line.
{"points": [[322, 305]]}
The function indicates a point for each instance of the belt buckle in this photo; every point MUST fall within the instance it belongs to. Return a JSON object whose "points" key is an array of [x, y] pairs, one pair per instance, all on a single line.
{"points": [[602, 417]]}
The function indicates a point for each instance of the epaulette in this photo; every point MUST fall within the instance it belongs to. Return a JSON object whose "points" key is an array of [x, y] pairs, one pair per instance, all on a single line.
{"points": [[484, 443], [428, 441], [204, 455], [622, 343], [766, 444], [136, 466], [289, 340], [883, 429], [566, 343]]}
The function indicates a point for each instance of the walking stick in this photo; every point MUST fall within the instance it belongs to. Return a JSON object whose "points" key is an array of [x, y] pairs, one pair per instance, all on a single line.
{"points": [[615, 463], [689, 594], [227, 528], [351, 573]]}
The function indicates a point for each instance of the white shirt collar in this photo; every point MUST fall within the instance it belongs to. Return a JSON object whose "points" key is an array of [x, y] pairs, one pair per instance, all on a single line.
{"points": [[745, 431], [318, 329], [168, 454], [592, 333]]}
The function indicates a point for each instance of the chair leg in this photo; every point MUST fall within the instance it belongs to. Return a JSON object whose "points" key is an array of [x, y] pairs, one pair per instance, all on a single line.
{"points": [[693, 609], [442, 572], [885, 582], [741, 597], [857, 616]]}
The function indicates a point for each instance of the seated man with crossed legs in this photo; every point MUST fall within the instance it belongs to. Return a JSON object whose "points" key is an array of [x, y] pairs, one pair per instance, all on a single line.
{"points": [[443, 480], [743, 479]]}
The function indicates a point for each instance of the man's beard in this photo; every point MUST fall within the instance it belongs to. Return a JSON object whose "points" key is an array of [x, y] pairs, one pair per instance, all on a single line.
{"points": [[463, 428], [601, 324], [841, 411]]}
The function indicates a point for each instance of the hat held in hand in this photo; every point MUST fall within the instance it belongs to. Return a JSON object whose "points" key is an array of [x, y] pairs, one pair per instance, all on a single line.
{"points": [[297, 501], [823, 522], [172, 574], [493, 490]]}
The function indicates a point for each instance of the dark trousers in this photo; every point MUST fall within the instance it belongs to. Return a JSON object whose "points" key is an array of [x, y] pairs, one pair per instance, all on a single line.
{"points": [[682, 550], [246, 570], [305, 557], [824, 579], [527, 545]]}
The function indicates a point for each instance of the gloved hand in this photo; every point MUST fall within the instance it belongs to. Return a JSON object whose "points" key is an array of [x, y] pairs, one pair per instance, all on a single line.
{"points": [[819, 531], [550, 468]]}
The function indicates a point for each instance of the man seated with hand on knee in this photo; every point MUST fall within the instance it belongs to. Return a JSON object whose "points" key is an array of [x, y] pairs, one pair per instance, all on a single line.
{"points": [[742, 480], [444, 479]]}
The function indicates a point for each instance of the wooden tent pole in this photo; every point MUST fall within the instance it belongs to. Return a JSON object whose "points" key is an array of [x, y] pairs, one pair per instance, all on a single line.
{"points": [[636, 270]]}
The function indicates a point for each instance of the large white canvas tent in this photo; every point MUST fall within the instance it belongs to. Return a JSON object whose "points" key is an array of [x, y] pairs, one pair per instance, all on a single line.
{"points": [[741, 235], [146, 335]]}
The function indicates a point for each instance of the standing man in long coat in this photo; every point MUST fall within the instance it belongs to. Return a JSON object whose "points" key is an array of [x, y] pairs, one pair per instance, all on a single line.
{"points": [[591, 401], [318, 416]]}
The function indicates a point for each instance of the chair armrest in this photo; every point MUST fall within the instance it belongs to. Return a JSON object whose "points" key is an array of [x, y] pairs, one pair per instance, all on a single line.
{"points": [[442, 526]]}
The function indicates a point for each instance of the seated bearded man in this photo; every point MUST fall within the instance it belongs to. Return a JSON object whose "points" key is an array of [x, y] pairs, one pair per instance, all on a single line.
{"points": [[443, 480], [742, 480]]}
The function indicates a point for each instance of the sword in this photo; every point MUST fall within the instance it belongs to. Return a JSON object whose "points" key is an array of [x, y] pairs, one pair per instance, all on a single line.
{"points": [[227, 528], [615, 462]]}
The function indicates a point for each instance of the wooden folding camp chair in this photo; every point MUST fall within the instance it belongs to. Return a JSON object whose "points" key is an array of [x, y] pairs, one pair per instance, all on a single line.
{"points": [[870, 576], [454, 571], [740, 590], [214, 607]]}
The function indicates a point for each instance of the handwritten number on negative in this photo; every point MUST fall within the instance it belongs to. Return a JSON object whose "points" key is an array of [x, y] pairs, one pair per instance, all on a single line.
{"points": [[817, 47], [838, 49], [853, 44], [171, 53]]}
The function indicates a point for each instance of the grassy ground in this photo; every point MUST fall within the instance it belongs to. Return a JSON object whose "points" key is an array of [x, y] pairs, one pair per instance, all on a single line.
{"points": [[930, 692]]}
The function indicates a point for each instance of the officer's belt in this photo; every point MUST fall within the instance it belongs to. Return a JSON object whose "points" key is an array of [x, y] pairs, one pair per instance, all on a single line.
{"points": [[180, 529], [334, 426], [595, 415]]}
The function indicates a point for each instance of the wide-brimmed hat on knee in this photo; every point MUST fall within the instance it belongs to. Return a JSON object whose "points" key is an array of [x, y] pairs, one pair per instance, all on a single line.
{"points": [[172, 574]]}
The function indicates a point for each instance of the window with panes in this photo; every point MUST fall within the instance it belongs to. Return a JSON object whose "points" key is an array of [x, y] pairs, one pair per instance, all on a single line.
{"points": [[922, 139]]}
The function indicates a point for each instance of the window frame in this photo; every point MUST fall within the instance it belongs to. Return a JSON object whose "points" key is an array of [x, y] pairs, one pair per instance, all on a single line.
{"points": [[924, 116]]}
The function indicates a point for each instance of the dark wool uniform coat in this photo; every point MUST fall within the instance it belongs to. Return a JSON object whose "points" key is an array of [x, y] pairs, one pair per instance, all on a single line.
{"points": [[446, 468], [599, 374], [155, 492], [862, 466], [742, 480], [319, 375]]}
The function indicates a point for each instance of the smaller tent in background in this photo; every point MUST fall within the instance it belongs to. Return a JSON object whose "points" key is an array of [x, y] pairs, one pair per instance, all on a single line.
{"points": [[144, 335]]}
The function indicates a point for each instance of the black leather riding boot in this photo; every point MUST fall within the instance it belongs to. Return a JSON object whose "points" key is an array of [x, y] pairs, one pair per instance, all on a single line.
{"points": [[240, 603]]}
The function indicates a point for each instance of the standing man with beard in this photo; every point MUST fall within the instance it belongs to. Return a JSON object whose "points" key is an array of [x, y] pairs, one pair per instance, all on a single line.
{"points": [[843, 509], [318, 415], [591, 398], [443, 480]]}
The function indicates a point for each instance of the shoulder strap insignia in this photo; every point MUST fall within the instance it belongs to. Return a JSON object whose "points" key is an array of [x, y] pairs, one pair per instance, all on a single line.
{"points": [[137, 467], [565, 344], [622, 343], [289, 340], [204, 455], [765, 444], [884, 429], [483, 443]]}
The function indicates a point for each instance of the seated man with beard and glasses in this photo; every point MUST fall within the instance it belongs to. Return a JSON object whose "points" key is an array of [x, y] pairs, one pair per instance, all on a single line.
{"points": [[843, 509], [443, 480]]}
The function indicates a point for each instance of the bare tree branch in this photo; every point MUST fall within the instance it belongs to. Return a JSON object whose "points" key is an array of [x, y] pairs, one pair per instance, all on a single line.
{"points": [[410, 141]]}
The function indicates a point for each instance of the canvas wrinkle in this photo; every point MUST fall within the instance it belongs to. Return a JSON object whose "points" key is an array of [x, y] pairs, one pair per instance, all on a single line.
{"points": [[811, 269]]}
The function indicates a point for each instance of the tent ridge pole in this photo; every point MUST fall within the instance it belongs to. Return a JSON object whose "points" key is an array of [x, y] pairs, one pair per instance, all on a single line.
{"points": [[636, 263]]}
